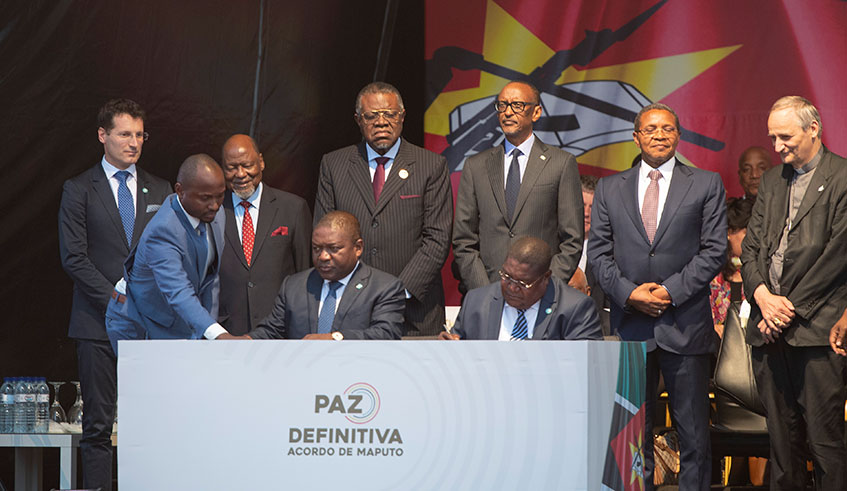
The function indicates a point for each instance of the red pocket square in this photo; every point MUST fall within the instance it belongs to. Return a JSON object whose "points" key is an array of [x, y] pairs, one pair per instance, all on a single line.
{"points": [[280, 231], [409, 196]]}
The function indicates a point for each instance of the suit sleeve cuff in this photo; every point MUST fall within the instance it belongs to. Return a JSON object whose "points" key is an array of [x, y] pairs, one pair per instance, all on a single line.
{"points": [[214, 331], [669, 294]]}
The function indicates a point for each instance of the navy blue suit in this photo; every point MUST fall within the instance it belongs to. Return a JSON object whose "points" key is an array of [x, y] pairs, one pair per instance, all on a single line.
{"points": [[688, 250]]}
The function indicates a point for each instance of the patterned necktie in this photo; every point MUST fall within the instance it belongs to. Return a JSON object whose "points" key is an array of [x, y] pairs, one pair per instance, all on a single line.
{"points": [[650, 207], [248, 235], [513, 183], [327, 314], [126, 208], [202, 250], [379, 176], [519, 332]]}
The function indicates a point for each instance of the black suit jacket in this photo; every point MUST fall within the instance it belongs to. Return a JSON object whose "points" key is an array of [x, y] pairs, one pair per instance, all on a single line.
{"points": [[563, 314], [282, 247], [407, 233], [814, 271], [371, 307], [92, 242]]}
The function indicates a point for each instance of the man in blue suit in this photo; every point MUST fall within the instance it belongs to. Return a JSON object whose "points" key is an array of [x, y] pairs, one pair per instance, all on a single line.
{"points": [[658, 237], [171, 277], [527, 302]]}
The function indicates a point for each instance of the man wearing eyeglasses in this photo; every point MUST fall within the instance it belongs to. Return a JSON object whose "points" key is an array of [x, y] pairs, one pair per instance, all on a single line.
{"points": [[523, 187], [102, 214], [657, 238], [527, 303], [400, 194]]}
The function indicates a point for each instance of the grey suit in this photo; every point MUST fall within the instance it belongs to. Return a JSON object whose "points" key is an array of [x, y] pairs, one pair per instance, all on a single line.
{"points": [[282, 247], [564, 314], [406, 233], [371, 307], [549, 206]]}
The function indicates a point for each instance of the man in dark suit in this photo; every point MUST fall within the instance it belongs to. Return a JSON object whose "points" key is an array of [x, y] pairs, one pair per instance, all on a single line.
{"points": [[268, 243], [94, 239], [171, 276], [401, 195], [523, 187], [658, 237], [340, 298], [527, 303], [793, 264]]}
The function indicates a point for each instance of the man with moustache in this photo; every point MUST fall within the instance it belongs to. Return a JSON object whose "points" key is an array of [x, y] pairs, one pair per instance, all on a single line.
{"points": [[103, 212], [267, 234], [400, 194], [793, 264], [752, 164], [522, 188], [658, 237], [171, 284]]}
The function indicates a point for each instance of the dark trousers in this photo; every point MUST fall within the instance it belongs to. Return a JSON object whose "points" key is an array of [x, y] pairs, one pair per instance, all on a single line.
{"points": [[803, 392], [687, 382], [98, 381]]}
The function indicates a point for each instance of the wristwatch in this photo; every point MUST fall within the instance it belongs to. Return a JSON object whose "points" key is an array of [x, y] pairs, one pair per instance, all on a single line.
{"points": [[337, 336]]}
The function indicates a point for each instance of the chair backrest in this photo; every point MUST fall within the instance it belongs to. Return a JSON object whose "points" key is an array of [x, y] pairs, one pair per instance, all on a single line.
{"points": [[733, 370]]}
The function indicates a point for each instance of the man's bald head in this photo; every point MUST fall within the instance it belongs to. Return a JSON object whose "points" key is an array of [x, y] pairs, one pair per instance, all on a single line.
{"points": [[531, 251], [200, 186]]}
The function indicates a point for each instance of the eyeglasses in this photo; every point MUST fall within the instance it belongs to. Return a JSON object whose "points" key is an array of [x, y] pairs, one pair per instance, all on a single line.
{"points": [[517, 106], [126, 135], [505, 277], [390, 115], [652, 130]]}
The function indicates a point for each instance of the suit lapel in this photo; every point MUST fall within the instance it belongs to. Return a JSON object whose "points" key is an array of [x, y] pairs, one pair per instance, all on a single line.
{"points": [[357, 284], [816, 186], [267, 217], [359, 174], [217, 228], [393, 183], [494, 164], [495, 316], [313, 299], [780, 206], [100, 184], [548, 304], [231, 230], [629, 195], [140, 205], [680, 185], [535, 164]]}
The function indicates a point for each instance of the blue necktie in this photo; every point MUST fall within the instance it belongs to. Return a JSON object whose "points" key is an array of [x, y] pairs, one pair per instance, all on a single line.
{"points": [[327, 314], [519, 332], [202, 249], [126, 207], [513, 184]]}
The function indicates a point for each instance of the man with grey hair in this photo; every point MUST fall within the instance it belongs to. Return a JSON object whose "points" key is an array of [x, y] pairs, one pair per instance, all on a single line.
{"points": [[794, 272], [657, 238], [400, 193]]}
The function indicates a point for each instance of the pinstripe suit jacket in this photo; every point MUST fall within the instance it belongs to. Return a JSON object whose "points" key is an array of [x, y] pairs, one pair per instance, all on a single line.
{"points": [[406, 233], [549, 207]]}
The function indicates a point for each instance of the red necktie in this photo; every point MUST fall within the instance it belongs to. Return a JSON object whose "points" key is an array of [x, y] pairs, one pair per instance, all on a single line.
{"points": [[379, 176], [247, 233], [650, 207]]}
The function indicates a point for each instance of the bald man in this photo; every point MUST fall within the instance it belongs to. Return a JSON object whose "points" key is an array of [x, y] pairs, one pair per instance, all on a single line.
{"points": [[267, 236], [171, 285], [752, 164], [340, 298]]}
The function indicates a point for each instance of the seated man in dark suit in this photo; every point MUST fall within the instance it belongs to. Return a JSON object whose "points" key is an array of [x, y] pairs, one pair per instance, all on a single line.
{"points": [[369, 302], [527, 303]]}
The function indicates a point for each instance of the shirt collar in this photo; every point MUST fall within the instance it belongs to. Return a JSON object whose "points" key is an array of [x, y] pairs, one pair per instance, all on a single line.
{"points": [[524, 147], [346, 279], [111, 170], [812, 163], [254, 199], [192, 220], [391, 153], [666, 169]]}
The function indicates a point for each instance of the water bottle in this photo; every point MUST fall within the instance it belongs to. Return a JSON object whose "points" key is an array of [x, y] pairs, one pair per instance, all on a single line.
{"points": [[20, 405], [7, 405], [42, 405], [30, 405]]}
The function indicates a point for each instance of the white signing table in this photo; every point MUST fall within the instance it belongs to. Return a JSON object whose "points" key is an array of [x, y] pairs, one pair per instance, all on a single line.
{"points": [[28, 458]]}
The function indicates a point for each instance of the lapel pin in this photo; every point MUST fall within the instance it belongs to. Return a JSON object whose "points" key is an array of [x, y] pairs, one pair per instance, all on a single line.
{"points": [[820, 188], [358, 286], [144, 190], [548, 311], [404, 174], [543, 157]]}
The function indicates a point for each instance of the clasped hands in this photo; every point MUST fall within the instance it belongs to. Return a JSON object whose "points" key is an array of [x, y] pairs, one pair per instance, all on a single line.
{"points": [[650, 299], [777, 313]]}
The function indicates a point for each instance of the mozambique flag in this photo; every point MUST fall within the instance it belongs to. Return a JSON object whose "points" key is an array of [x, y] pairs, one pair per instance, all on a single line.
{"points": [[719, 64]]}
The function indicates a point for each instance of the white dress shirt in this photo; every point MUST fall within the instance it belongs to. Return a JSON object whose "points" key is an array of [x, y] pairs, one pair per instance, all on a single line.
{"points": [[510, 315], [664, 183], [338, 292]]}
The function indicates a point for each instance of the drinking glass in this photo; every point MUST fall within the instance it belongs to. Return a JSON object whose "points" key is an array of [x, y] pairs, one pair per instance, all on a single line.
{"points": [[75, 414], [57, 413]]}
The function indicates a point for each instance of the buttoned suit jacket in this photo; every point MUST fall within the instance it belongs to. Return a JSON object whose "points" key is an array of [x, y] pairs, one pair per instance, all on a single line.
{"points": [[170, 294], [688, 250], [371, 307], [92, 242], [282, 246], [814, 269], [406, 233], [563, 314], [549, 206]]}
